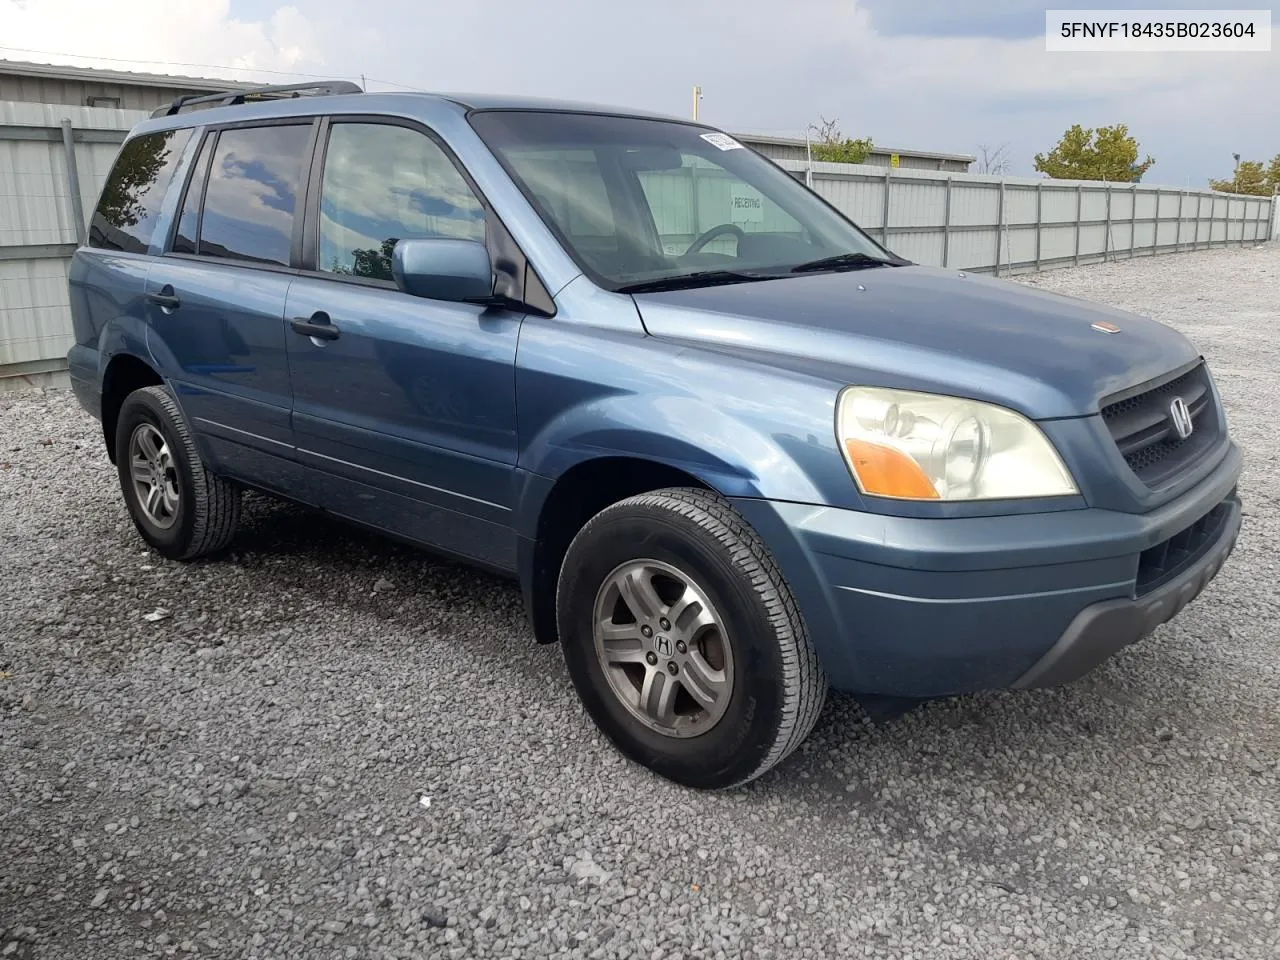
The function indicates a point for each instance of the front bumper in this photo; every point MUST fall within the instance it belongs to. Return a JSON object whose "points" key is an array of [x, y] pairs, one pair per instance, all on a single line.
{"points": [[1101, 629], [918, 607]]}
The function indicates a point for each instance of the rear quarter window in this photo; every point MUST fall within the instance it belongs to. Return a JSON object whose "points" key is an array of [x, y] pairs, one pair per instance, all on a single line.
{"points": [[129, 207]]}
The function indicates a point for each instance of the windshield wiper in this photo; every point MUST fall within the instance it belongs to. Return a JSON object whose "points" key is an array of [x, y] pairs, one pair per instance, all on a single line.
{"points": [[843, 261], [685, 281]]}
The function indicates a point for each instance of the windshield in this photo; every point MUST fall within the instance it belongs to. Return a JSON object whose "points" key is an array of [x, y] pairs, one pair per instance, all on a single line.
{"points": [[641, 202]]}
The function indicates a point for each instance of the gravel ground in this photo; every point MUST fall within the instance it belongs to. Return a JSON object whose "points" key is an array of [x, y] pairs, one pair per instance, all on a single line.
{"points": [[323, 745]]}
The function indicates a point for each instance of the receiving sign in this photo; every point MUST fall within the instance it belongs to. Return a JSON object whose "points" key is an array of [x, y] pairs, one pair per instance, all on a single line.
{"points": [[746, 203]]}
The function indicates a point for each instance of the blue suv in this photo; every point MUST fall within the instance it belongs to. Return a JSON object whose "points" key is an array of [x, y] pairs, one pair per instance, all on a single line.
{"points": [[733, 449]]}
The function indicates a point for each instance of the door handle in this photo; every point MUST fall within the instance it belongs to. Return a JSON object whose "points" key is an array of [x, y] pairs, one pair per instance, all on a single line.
{"points": [[317, 325], [165, 298]]}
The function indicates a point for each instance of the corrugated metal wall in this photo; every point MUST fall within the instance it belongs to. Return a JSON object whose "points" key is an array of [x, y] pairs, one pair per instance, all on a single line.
{"points": [[1016, 224], [38, 228], [58, 90]]}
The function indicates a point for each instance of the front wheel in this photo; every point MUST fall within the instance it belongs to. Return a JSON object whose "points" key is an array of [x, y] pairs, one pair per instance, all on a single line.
{"points": [[683, 641]]}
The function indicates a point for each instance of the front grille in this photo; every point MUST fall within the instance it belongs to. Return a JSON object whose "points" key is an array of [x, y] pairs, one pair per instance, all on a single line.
{"points": [[1142, 426], [1161, 563]]}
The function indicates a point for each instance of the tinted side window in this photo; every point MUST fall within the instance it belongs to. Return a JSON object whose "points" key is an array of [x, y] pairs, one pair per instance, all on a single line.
{"points": [[184, 240], [252, 194], [384, 183], [130, 202]]}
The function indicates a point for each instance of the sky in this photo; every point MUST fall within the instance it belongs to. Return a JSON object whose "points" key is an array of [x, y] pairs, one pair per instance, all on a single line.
{"points": [[947, 75]]}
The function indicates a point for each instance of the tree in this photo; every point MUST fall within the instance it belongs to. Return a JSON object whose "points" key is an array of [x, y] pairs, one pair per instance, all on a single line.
{"points": [[993, 160], [1250, 178], [373, 262], [834, 147], [134, 176], [1108, 153]]}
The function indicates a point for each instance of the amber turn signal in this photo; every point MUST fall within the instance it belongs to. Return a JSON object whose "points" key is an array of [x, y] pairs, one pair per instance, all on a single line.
{"points": [[886, 472]]}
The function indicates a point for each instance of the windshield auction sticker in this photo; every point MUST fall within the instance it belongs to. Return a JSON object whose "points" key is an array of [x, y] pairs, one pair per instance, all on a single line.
{"points": [[1141, 31], [722, 140]]}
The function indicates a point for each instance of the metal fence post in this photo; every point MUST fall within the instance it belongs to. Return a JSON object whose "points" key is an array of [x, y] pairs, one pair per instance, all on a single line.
{"points": [[884, 230], [1039, 220], [999, 226], [1133, 219], [946, 225], [1106, 237], [1177, 237], [73, 182], [1079, 213], [1155, 225], [696, 218]]}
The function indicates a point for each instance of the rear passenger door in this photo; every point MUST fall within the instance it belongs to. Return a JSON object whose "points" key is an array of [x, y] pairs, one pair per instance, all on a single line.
{"points": [[409, 410], [217, 297]]}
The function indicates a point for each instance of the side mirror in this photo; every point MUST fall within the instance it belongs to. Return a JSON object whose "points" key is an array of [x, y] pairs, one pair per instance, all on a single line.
{"points": [[441, 269]]}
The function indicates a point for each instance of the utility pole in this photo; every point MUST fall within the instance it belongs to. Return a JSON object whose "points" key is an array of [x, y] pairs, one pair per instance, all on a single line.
{"points": [[697, 99]]}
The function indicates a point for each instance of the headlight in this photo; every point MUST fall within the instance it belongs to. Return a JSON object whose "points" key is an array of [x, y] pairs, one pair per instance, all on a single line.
{"points": [[921, 446]]}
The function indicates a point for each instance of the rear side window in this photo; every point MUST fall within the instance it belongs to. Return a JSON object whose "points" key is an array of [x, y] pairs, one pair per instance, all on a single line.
{"points": [[384, 183], [252, 196], [130, 203]]}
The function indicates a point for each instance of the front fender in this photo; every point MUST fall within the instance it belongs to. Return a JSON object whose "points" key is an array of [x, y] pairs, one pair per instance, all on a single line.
{"points": [[730, 456], [745, 429]]}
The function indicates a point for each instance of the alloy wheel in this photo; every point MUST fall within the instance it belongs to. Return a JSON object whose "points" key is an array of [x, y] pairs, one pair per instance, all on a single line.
{"points": [[663, 648]]}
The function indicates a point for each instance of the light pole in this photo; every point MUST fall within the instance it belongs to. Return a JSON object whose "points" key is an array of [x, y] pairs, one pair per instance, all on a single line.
{"points": [[697, 99]]}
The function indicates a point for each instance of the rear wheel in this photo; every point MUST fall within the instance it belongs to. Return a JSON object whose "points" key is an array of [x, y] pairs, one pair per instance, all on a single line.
{"points": [[683, 640], [179, 507]]}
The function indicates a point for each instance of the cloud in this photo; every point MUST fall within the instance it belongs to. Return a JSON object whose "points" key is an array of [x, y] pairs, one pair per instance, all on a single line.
{"points": [[158, 32], [930, 74]]}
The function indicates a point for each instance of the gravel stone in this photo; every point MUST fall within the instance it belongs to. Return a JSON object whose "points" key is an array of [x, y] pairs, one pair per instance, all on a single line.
{"points": [[262, 746]]}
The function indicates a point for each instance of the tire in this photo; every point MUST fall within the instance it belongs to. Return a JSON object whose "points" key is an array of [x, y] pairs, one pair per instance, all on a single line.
{"points": [[196, 512], [748, 656]]}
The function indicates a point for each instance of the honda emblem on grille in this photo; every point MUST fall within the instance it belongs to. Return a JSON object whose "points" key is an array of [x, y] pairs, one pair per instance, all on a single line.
{"points": [[1181, 417]]}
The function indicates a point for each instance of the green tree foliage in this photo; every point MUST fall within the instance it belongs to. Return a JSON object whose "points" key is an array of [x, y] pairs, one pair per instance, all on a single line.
{"points": [[374, 263], [135, 172], [831, 146], [1250, 178], [1108, 153]]}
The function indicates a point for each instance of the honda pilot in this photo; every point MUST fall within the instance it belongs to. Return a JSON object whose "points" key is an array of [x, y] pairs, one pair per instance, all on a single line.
{"points": [[734, 450]]}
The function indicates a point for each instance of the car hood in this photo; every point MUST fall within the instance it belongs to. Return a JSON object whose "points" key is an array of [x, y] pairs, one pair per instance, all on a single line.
{"points": [[927, 329]]}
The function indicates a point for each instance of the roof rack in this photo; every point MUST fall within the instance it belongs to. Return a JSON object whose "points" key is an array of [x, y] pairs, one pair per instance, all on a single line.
{"points": [[323, 88]]}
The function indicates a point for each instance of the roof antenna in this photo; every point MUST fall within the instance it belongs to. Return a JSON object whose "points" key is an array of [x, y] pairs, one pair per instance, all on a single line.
{"points": [[363, 85]]}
